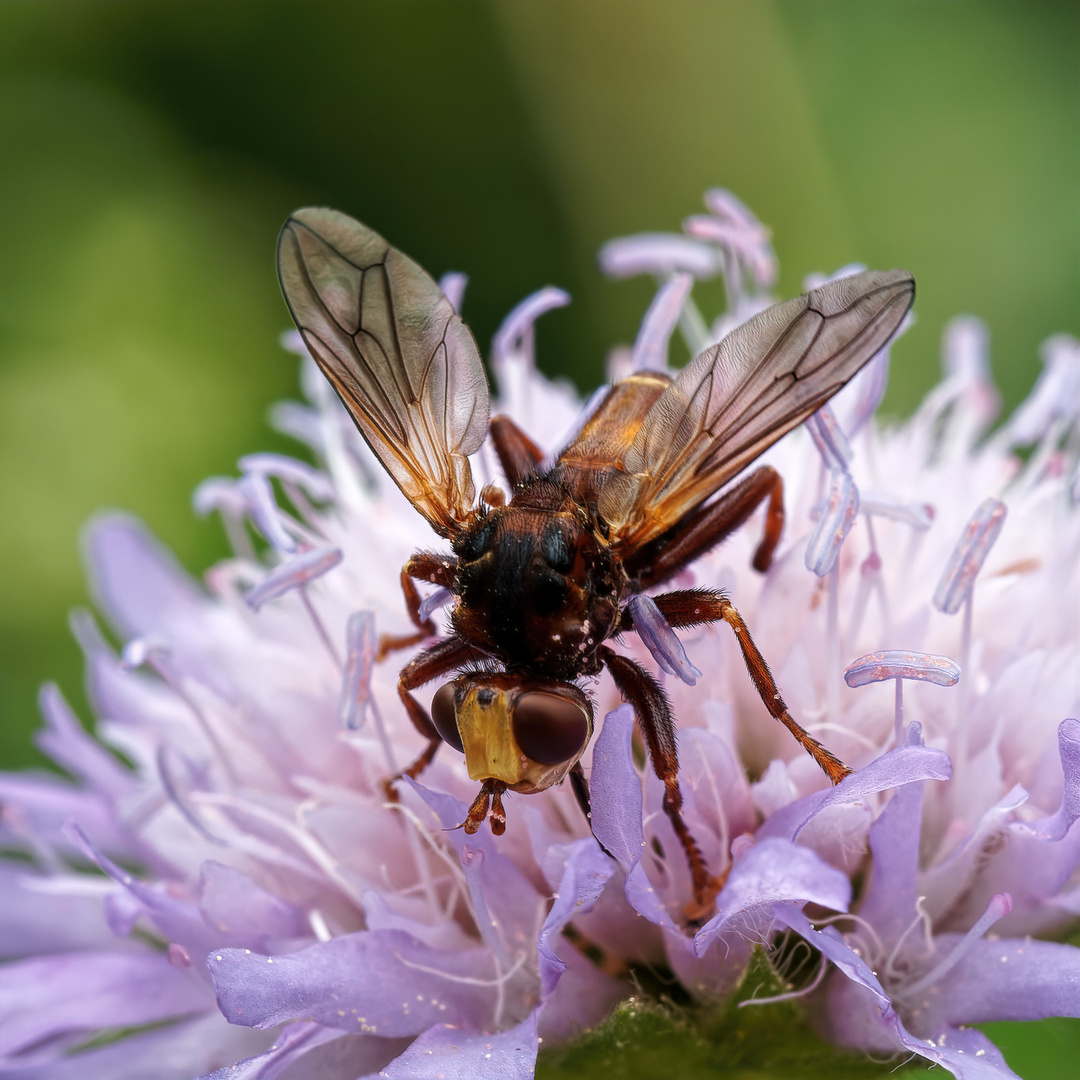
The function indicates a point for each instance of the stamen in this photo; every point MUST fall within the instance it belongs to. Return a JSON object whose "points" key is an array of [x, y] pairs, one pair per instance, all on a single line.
{"points": [[317, 484], [1055, 395], [143, 650], [659, 254], [265, 511], [867, 389], [359, 662], [292, 341], [227, 497], [659, 638], [900, 665], [869, 578], [881, 504], [515, 336], [968, 556], [453, 287], [834, 524], [831, 442], [293, 573], [651, 347], [439, 598], [1000, 905]]}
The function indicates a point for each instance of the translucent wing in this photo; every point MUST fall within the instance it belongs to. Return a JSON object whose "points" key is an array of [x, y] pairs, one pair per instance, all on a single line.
{"points": [[404, 364], [735, 399]]}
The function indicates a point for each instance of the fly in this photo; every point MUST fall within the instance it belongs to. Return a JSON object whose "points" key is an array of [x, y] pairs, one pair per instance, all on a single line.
{"points": [[542, 583]]}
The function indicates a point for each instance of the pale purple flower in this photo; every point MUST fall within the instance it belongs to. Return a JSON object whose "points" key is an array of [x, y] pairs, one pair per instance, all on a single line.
{"points": [[238, 898]]}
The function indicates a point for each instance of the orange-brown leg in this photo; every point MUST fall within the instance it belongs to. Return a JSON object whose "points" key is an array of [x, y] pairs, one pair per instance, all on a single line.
{"points": [[704, 528], [658, 727], [424, 566], [517, 453], [444, 657], [692, 607]]}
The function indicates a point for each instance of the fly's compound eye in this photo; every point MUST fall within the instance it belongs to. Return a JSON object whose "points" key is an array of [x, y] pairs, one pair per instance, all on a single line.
{"points": [[548, 728], [444, 716]]}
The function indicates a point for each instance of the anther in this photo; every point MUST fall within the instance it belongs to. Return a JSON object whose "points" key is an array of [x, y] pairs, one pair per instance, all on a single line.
{"points": [[968, 556], [300, 570]]}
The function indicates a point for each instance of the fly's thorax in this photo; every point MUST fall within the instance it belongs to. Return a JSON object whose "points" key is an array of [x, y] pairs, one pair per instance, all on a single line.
{"points": [[537, 588], [527, 733]]}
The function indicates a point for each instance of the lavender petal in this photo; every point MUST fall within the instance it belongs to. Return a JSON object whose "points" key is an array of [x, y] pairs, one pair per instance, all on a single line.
{"points": [[1004, 979], [1057, 825], [242, 912], [587, 872], [510, 901], [616, 802], [448, 1053], [615, 789], [380, 982], [769, 873], [861, 1014], [890, 902], [51, 913], [47, 996], [135, 580], [903, 765], [312, 1050], [67, 743]]}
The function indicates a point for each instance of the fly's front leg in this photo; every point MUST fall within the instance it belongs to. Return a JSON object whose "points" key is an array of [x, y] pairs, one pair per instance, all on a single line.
{"points": [[704, 528], [658, 726], [517, 453], [424, 566], [440, 659]]}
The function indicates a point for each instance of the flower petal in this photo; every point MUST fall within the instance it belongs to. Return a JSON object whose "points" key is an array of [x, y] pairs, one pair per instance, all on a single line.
{"points": [[326, 1053], [47, 996], [587, 872], [769, 873], [378, 982], [447, 1052]]}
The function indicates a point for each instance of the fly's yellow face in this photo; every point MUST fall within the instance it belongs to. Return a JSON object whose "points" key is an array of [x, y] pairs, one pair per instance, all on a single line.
{"points": [[525, 734]]}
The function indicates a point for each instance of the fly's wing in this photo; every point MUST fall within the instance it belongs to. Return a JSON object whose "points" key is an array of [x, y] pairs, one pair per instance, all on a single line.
{"points": [[401, 360], [735, 399]]}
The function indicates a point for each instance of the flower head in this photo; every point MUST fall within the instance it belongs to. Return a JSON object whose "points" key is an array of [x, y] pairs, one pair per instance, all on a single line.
{"points": [[240, 893]]}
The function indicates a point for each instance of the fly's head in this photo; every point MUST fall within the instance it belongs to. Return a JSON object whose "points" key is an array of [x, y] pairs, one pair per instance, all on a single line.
{"points": [[517, 734]]}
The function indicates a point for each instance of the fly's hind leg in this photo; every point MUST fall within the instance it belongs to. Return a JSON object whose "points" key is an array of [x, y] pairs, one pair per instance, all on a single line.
{"points": [[658, 726], [692, 607], [424, 566], [702, 529], [440, 659], [517, 453]]}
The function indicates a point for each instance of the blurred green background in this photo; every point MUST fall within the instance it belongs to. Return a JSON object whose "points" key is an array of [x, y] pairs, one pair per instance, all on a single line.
{"points": [[150, 152]]}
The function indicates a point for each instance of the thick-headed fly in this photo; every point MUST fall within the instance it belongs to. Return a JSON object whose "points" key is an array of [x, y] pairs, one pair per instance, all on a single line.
{"points": [[542, 582]]}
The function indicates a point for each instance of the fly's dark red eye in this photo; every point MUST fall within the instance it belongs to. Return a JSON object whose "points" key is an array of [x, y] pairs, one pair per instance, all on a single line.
{"points": [[548, 728], [444, 716]]}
